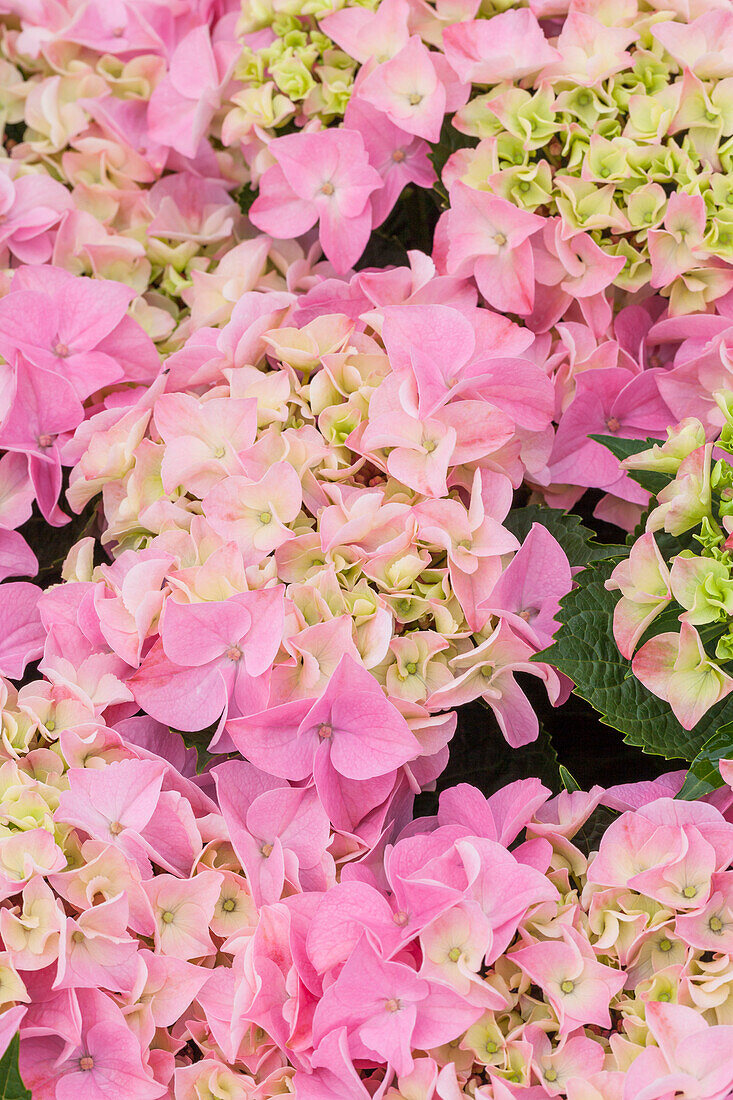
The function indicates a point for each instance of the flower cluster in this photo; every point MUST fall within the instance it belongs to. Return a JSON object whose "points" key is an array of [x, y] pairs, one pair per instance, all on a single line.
{"points": [[96, 194], [300, 487], [172, 935], [618, 126], [611, 118], [122, 895], [560, 976], [108, 169], [618, 120], [324, 503]]}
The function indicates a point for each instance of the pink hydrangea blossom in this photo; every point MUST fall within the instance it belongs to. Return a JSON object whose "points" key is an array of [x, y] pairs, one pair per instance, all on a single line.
{"points": [[319, 177]]}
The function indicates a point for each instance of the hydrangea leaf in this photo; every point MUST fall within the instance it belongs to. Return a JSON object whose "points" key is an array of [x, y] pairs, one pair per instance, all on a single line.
{"points": [[11, 1083], [569, 782], [200, 741], [585, 651], [577, 541], [651, 480], [704, 773]]}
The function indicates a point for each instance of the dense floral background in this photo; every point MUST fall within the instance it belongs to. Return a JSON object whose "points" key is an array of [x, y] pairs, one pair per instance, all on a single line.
{"points": [[366, 548]]}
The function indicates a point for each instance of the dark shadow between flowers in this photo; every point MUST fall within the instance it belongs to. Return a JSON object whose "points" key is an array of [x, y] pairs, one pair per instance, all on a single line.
{"points": [[52, 544], [410, 226], [571, 735]]}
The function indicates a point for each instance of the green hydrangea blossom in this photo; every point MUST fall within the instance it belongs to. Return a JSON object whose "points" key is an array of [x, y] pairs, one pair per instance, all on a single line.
{"points": [[310, 75], [606, 158]]}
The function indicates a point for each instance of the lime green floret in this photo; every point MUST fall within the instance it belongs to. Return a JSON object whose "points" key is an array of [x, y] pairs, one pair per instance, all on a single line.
{"points": [[304, 65], [606, 158]]}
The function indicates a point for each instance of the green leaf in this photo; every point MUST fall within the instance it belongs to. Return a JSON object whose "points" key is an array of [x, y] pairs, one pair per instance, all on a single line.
{"points": [[704, 774], [245, 197], [568, 781], [577, 541], [200, 741], [585, 651], [651, 480], [11, 1083]]}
